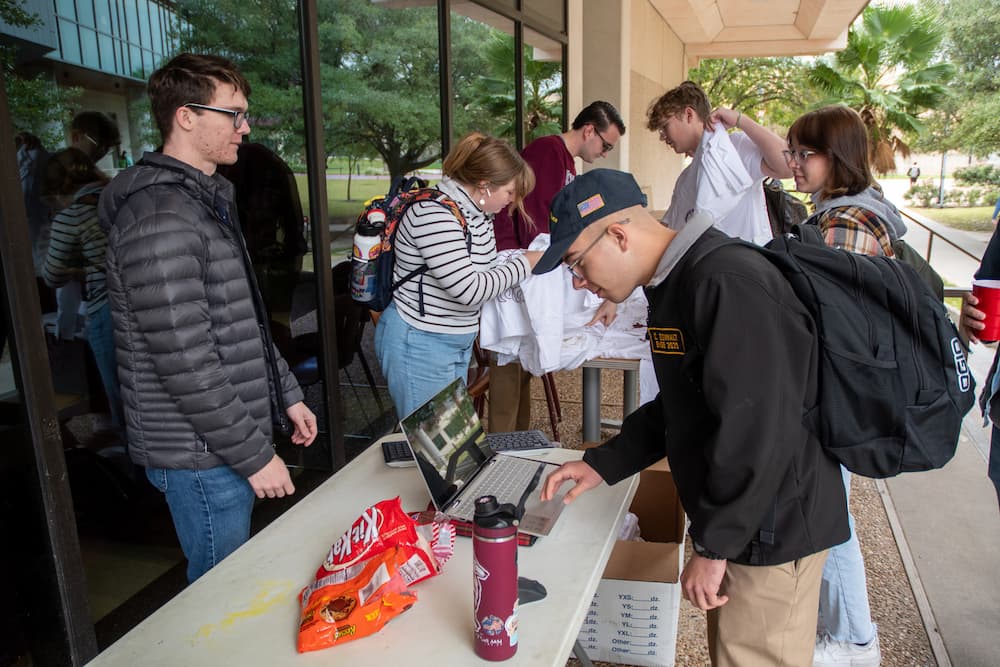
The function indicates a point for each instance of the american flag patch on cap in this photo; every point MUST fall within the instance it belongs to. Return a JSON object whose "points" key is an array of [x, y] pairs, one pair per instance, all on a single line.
{"points": [[589, 205]]}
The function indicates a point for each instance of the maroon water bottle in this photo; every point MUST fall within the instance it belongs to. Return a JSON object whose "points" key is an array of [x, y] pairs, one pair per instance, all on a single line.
{"points": [[494, 569]]}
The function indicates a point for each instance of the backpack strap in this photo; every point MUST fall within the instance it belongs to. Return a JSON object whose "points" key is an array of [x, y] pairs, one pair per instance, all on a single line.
{"points": [[431, 194]]}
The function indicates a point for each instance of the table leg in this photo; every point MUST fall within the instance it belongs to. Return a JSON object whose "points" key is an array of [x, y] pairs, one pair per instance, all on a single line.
{"points": [[630, 388], [581, 654], [591, 404]]}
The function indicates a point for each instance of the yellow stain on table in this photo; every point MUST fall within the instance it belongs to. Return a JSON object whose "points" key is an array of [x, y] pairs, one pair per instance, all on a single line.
{"points": [[273, 593]]}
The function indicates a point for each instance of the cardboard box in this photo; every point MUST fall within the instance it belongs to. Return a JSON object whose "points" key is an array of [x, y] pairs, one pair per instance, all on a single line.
{"points": [[633, 617]]}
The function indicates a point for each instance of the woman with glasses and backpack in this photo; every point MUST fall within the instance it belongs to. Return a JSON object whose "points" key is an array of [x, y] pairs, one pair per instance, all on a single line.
{"points": [[829, 157], [424, 338]]}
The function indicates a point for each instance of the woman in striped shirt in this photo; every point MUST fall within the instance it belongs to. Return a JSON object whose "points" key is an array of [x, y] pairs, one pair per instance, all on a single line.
{"points": [[77, 248], [424, 338]]}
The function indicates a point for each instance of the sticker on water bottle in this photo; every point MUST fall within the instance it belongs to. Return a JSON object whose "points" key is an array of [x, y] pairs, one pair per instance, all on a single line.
{"points": [[511, 627]]}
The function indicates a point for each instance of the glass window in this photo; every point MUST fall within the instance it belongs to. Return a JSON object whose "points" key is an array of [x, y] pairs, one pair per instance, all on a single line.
{"points": [[143, 9], [135, 62], [131, 21], [66, 9], [482, 73], [69, 42], [147, 62], [156, 40], [85, 12], [103, 15], [543, 93], [107, 49], [88, 42]]}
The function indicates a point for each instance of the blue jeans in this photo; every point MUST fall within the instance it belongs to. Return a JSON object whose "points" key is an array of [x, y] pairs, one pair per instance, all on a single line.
{"points": [[844, 613], [418, 364], [101, 339], [211, 512]]}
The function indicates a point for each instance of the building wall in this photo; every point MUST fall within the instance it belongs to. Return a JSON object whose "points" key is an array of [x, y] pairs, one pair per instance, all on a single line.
{"points": [[656, 65], [628, 56]]}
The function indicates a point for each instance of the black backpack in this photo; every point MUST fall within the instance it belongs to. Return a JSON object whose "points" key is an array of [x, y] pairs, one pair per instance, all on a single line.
{"points": [[783, 210], [894, 384], [402, 194]]}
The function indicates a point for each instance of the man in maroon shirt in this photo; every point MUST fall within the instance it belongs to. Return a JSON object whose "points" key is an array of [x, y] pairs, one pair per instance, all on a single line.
{"points": [[594, 133]]}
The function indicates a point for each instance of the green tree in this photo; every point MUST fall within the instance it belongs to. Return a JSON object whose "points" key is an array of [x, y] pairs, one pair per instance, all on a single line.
{"points": [[972, 29], [542, 91], [775, 91], [889, 74], [37, 104]]}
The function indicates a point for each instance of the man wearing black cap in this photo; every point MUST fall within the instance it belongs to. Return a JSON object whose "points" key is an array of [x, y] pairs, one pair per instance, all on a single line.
{"points": [[735, 357]]}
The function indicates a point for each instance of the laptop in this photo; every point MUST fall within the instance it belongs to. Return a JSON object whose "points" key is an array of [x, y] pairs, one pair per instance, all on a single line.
{"points": [[458, 465]]}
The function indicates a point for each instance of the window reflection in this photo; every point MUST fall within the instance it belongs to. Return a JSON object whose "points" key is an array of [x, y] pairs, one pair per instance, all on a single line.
{"points": [[482, 49]]}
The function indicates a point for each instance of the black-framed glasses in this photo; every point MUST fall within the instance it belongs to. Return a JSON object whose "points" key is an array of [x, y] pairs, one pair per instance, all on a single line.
{"points": [[238, 116], [799, 157], [605, 146], [571, 267]]}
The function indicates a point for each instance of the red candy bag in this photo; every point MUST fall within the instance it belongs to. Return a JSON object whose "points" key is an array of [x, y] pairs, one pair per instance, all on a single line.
{"points": [[353, 602], [380, 527]]}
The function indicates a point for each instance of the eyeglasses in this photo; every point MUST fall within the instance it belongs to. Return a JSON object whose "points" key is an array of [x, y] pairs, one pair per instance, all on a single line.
{"points": [[605, 146], [238, 116], [579, 258], [799, 157]]}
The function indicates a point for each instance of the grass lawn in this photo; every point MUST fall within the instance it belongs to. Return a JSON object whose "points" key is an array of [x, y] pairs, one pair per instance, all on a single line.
{"points": [[972, 219]]}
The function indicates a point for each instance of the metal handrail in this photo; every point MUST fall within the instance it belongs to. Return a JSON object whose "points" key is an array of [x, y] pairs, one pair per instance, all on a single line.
{"points": [[931, 234]]}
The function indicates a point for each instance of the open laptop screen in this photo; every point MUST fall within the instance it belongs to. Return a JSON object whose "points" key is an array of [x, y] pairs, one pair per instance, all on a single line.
{"points": [[448, 441]]}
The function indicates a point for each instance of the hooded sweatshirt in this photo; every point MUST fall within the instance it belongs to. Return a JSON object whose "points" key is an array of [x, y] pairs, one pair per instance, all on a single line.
{"points": [[873, 200]]}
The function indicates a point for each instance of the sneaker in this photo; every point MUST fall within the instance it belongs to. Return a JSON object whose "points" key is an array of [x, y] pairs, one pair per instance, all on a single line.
{"points": [[829, 653]]}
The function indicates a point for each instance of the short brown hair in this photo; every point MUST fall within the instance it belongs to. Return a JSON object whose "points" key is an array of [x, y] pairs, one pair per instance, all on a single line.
{"points": [[674, 101], [839, 133], [189, 77], [479, 157], [601, 115], [68, 170]]}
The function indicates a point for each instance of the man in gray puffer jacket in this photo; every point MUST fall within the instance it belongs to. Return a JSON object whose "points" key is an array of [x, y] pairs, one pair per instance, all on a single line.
{"points": [[196, 382]]}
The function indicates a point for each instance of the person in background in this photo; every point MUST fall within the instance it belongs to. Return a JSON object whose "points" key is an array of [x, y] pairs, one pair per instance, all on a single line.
{"points": [[970, 323], [267, 198], [202, 383], [74, 185], [828, 154], [996, 213], [764, 500], [95, 134], [31, 159], [724, 178], [595, 131], [913, 173], [424, 337]]}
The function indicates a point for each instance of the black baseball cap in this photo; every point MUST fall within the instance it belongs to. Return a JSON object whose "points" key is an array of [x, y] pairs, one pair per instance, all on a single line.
{"points": [[587, 198]]}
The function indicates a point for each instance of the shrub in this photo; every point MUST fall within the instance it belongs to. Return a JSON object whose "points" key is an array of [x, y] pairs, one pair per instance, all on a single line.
{"points": [[921, 195], [980, 174]]}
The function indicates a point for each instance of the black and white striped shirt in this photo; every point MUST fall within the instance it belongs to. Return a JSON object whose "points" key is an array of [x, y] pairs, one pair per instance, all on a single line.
{"points": [[457, 281], [78, 242]]}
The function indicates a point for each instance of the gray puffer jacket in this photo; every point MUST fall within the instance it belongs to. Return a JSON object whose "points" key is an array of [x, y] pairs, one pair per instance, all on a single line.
{"points": [[190, 354]]}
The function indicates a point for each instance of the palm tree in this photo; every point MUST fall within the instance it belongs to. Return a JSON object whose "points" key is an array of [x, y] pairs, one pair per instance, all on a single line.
{"points": [[542, 91], [888, 74]]}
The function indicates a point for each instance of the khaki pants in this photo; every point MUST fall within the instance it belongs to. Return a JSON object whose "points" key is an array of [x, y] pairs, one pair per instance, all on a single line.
{"points": [[510, 397], [770, 618]]}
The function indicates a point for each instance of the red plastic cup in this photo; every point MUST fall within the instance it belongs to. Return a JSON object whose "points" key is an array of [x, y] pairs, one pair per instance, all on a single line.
{"points": [[988, 293]]}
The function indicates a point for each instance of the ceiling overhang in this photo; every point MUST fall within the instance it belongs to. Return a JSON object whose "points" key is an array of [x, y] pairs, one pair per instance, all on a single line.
{"points": [[757, 28]]}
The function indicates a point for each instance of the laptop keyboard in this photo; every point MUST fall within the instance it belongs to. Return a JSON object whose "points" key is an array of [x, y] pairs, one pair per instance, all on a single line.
{"points": [[396, 452], [506, 478], [518, 440]]}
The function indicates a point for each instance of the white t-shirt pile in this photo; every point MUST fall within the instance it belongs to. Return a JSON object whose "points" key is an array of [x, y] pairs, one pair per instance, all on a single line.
{"points": [[541, 323]]}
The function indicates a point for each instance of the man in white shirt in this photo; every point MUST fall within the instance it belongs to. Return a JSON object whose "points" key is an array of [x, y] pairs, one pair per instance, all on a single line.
{"points": [[727, 170]]}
